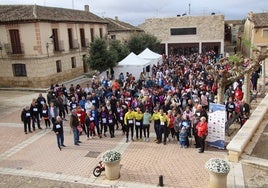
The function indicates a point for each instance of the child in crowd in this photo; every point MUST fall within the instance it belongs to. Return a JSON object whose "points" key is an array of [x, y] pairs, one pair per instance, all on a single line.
{"points": [[183, 137]]}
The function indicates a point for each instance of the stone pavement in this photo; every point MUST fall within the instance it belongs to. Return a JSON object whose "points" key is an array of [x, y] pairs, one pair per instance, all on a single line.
{"points": [[36, 155]]}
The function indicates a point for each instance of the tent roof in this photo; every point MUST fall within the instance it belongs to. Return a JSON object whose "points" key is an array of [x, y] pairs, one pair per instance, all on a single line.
{"points": [[133, 60], [149, 54]]}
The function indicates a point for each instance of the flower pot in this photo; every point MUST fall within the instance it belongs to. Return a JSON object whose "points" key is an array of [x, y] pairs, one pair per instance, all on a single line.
{"points": [[112, 170], [217, 180]]}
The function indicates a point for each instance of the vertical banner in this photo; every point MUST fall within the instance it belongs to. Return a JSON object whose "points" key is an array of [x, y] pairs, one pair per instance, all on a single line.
{"points": [[216, 125]]}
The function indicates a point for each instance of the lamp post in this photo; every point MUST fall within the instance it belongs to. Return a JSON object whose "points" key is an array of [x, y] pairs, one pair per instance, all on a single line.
{"points": [[47, 44]]}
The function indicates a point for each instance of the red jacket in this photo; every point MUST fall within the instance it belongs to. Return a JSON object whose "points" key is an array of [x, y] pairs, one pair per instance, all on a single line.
{"points": [[81, 116], [202, 129]]}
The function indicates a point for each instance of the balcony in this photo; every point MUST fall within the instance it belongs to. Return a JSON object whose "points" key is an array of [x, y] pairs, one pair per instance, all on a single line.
{"points": [[14, 49], [75, 45], [59, 47]]}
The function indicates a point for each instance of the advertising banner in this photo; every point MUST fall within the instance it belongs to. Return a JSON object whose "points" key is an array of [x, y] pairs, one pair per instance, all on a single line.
{"points": [[216, 125]]}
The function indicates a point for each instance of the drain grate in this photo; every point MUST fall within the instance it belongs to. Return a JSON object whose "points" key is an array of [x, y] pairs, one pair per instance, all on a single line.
{"points": [[92, 154]]}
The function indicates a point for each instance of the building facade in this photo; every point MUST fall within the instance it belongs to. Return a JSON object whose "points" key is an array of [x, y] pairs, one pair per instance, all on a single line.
{"points": [[188, 34], [42, 45], [118, 30], [255, 33]]}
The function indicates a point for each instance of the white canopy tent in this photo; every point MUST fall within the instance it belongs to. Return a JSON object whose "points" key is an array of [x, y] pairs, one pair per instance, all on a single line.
{"points": [[132, 64], [153, 57]]}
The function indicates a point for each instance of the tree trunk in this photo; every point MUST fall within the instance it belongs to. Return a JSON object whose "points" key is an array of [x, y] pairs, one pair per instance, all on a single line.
{"points": [[247, 88], [220, 94]]}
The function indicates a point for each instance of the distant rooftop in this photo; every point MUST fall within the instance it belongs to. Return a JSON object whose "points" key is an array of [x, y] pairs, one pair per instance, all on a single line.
{"points": [[116, 25], [259, 19], [30, 13]]}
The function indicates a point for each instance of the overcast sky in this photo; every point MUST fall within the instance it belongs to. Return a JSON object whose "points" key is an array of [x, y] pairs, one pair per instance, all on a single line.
{"points": [[136, 11]]}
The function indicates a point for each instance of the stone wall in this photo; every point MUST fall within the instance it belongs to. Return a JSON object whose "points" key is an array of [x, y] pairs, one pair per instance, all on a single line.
{"points": [[209, 28], [41, 72]]}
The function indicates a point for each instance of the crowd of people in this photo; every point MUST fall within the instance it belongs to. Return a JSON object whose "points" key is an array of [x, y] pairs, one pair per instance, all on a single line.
{"points": [[174, 98]]}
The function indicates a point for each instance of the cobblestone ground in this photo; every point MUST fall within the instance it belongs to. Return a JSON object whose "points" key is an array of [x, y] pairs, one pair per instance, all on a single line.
{"points": [[7, 181], [11, 103]]}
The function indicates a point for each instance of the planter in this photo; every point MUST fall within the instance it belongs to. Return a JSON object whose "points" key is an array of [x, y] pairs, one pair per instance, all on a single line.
{"points": [[218, 170], [217, 180], [112, 170]]}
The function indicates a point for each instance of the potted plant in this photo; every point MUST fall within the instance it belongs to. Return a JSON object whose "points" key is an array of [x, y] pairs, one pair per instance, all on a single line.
{"points": [[218, 169], [111, 159]]}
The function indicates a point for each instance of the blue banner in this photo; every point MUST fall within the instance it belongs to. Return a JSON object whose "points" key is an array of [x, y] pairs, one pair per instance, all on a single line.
{"points": [[216, 125]]}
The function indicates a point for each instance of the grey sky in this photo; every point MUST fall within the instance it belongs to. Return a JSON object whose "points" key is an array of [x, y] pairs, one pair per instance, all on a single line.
{"points": [[136, 11]]}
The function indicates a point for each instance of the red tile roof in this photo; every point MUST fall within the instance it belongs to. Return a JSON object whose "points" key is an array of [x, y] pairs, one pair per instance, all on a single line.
{"points": [[30, 13]]}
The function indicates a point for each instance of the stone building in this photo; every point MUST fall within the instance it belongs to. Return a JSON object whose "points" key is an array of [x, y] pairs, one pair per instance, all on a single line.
{"points": [[187, 34], [118, 30], [256, 32], [40, 46]]}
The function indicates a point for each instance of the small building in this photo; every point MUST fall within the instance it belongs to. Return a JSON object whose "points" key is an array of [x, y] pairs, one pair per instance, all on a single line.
{"points": [[40, 45], [188, 34], [118, 30], [255, 33]]}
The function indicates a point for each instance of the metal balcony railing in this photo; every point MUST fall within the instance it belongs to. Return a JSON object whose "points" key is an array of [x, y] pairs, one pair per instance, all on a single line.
{"points": [[14, 49]]}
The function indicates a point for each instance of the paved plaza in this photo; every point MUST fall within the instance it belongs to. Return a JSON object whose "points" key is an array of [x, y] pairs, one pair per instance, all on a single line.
{"points": [[34, 159]]}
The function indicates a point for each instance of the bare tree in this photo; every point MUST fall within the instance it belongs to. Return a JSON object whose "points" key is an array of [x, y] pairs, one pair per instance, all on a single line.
{"points": [[230, 69]]}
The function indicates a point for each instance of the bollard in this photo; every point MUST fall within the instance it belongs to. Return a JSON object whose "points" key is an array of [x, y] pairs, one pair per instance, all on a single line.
{"points": [[161, 182]]}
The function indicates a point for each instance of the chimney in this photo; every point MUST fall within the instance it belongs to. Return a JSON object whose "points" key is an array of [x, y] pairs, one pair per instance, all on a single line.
{"points": [[86, 7], [116, 18]]}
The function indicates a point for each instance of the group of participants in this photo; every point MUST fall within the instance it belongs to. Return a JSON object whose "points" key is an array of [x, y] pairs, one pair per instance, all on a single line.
{"points": [[174, 99]]}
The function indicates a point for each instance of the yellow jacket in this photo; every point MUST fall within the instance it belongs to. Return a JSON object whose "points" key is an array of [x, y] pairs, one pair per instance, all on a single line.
{"points": [[138, 116], [164, 119], [129, 116], [155, 116]]}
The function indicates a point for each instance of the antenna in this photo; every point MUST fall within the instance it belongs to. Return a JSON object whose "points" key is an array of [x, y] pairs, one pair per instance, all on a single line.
{"points": [[189, 8]]}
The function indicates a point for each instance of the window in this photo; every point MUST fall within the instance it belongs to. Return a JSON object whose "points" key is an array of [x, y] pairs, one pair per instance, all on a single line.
{"points": [[15, 41], [73, 60], [113, 37], [183, 31], [92, 34], [265, 33], [82, 38], [101, 33], [70, 37], [58, 65], [55, 40], [19, 69]]}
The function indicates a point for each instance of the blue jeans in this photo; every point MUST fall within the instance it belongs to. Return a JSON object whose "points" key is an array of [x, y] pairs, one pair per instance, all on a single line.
{"points": [[60, 139], [76, 135]]}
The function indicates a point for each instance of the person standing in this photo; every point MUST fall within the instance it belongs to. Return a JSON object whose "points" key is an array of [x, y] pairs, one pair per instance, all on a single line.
{"points": [[164, 123], [138, 123], [74, 122], [40, 102], [129, 123], [146, 125], [52, 112], [156, 118], [58, 129], [103, 118], [95, 114], [202, 131], [111, 122], [45, 115], [26, 119], [35, 114]]}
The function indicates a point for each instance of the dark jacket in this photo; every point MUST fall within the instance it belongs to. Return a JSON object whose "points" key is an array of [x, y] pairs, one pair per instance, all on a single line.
{"points": [[25, 115], [58, 127]]}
